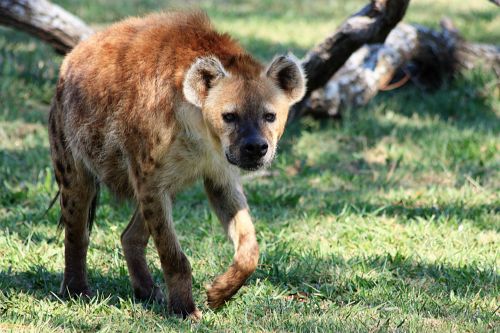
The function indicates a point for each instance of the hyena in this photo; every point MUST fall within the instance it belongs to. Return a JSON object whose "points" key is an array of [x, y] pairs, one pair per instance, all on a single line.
{"points": [[147, 107]]}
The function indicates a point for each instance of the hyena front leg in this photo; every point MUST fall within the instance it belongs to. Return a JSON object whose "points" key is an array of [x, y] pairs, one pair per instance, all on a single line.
{"points": [[229, 203], [134, 241], [156, 209]]}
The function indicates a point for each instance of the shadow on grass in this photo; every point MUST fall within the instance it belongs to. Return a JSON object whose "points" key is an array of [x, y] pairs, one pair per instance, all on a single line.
{"points": [[480, 216], [371, 281], [42, 284], [408, 214], [377, 280], [467, 101]]}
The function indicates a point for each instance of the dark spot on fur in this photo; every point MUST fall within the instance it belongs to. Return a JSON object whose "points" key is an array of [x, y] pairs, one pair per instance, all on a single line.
{"points": [[158, 139], [148, 213], [68, 168], [149, 228], [217, 192], [148, 199], [137, 171], [55, 145], [96, 146], [163, 257], [70, 236], [159, 228], [65, 181], [62, 140], [53, 126], [60, 167], [64, 200], [97, 143], [173, 137], [118, 153], [71, 211]]}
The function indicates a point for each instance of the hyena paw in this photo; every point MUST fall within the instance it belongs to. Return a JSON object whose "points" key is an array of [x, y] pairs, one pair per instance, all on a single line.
{"points": [[75, 291], [184, 308], [196, 315], [218, 293]]}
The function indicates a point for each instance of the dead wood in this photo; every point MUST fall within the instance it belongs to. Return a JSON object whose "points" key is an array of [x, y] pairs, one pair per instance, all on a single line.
{"points": [[46, 21]]}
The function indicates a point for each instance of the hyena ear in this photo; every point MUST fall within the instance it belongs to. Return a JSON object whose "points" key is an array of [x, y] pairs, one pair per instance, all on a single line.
{"points": [[203, 74], [287, 73]]}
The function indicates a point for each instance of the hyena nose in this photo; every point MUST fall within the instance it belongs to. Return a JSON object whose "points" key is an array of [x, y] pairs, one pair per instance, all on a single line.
{"points": [[255, 147]]}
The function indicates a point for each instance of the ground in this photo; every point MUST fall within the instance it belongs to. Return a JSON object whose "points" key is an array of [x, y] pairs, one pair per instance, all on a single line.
{"points": [[387, 220]]}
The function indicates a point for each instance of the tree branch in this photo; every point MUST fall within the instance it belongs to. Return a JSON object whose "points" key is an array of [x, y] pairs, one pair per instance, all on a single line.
{"points": [[46, 21]]}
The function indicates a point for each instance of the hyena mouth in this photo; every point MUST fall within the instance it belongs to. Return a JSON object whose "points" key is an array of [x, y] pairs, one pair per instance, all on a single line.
{"points": [[245, 165]]}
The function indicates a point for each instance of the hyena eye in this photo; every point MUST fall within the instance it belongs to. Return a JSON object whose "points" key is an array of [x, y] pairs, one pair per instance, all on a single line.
{"points": [[270, 117], [229, 117]]}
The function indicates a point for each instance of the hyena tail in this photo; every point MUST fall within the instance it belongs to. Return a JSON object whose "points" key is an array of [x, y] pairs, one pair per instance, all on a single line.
{"points": [[93, 208], [52, 202]]}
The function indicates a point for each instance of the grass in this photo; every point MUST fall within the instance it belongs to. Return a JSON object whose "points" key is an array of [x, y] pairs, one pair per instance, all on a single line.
{"points": [[387, 220]]}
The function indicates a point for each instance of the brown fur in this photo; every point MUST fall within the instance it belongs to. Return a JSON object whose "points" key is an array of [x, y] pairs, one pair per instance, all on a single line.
{"points": [[139, 107]]}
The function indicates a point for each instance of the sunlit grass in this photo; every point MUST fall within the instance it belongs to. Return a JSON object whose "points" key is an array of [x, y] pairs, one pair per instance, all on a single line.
{"points": [[386, 220]]}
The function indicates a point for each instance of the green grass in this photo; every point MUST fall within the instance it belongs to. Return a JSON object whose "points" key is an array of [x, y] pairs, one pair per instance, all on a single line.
{"points": [[388, 220]]}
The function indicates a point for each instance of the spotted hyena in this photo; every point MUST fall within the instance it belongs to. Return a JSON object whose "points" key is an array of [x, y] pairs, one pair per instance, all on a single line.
{"points": [[148, 106]]}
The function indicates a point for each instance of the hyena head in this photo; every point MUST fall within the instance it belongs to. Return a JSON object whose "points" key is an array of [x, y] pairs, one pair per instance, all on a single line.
{"points": [[246, 114]]}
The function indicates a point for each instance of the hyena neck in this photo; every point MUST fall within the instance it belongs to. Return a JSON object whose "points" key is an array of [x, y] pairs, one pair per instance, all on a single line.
{"points": [[207, 153]]}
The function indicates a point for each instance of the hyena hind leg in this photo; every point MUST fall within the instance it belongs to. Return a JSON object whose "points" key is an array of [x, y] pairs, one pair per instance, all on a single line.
{"points": [[134, 241], [79, 191]]}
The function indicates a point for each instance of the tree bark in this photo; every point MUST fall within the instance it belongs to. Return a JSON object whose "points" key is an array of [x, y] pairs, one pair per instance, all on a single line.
{"points": [[429, 57], [371, 24], [45, 20], [363, 74]]}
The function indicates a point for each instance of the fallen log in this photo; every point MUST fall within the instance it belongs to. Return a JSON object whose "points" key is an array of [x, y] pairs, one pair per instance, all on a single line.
{"points": [[46, 21], [371, 24], [425, 56]]}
